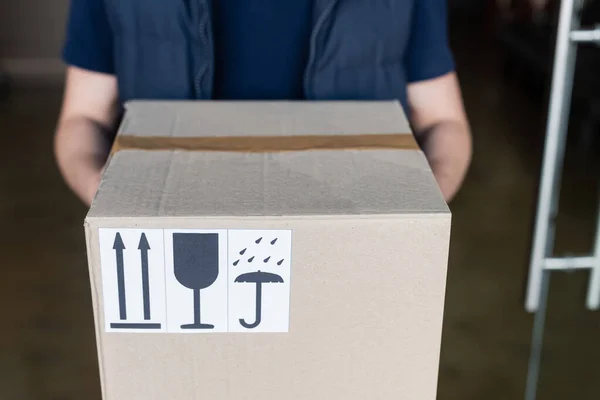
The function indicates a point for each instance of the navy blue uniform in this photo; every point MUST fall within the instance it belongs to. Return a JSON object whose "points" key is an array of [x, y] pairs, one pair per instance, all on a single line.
{"points": [[261, 46]]}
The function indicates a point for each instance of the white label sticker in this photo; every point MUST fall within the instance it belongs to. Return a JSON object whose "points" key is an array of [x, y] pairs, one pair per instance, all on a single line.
{"points": [[196, 281], [259, 280], [133, 280]]}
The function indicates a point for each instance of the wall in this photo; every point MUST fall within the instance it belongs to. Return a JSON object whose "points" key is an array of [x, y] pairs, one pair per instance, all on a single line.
{"points": [[468, 7], [31, 35]]}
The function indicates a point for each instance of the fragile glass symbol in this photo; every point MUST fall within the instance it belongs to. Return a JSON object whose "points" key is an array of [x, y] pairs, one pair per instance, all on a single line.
{"points": [[258, 278], [196, 266]]}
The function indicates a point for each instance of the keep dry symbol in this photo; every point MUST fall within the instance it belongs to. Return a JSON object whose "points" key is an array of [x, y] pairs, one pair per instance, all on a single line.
{"points": [[258, 278]]}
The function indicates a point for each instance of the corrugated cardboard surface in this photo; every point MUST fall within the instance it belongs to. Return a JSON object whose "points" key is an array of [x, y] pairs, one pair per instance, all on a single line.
{"points": [[365, 321], [300, 183], [235, 118], [369, 255], [180, 183]]}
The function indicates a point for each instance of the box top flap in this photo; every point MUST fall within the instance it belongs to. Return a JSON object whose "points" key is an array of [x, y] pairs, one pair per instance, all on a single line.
{"points": [[299, 183], [262, 118]]}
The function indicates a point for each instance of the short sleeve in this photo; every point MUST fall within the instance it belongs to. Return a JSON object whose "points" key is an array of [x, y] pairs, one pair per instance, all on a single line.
{"points": [[428, 54], [89, 39]]}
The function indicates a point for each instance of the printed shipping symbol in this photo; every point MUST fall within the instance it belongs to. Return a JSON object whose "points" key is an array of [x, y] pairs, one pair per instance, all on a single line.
{"points": [[259, 277], [143, 247], [196, 264]]}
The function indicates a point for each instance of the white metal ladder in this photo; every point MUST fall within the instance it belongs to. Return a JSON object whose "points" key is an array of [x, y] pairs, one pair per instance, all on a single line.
{"points": [[542, 263]]}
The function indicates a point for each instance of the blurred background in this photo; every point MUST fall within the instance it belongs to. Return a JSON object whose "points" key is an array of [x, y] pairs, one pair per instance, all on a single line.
{"points": [[504, 55]]}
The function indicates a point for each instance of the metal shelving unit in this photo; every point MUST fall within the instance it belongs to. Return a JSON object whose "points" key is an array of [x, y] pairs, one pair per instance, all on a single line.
{"points": [[568, 37], [529, 46]]}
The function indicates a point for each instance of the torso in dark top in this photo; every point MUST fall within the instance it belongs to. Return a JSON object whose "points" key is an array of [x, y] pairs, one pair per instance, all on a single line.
{"points": [[259, 49], [276, 30]]}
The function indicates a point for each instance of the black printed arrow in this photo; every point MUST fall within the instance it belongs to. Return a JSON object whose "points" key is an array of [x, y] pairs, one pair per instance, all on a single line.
{"points": [[119, 246], [143, 247]]}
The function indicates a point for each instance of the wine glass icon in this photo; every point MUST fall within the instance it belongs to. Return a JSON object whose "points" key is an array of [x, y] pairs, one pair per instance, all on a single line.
{"points": [[196, 266]]}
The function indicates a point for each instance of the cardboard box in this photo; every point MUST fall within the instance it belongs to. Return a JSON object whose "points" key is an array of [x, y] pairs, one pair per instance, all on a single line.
{"points": [[283, 250]]}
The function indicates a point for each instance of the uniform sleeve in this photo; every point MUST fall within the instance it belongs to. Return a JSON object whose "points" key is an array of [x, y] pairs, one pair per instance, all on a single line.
{"points": [[428, 54], [89, 39]]}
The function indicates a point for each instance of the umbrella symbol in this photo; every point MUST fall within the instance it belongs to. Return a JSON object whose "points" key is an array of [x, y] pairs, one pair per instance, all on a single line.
{"points": [[258, 278]]}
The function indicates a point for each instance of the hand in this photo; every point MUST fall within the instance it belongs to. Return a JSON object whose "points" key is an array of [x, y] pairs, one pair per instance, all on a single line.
{"points": [[447, 147], [91, 187], [82, 140], [449, 177], [440, 124]]}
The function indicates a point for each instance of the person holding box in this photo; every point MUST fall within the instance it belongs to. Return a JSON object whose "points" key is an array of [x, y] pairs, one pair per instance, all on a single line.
{"points": [[120, 50]]}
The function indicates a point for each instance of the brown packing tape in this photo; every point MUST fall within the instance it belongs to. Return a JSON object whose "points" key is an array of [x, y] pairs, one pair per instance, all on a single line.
{"points": [[266, 144]]}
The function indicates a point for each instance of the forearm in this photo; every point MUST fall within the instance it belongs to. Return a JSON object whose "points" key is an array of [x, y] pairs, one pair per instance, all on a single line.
{"points": [[81, 149], [448, 147]]}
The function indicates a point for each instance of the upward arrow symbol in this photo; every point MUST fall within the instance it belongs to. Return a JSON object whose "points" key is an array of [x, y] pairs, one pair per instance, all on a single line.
{"points": [[119, 246], [143, 247]]}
